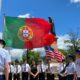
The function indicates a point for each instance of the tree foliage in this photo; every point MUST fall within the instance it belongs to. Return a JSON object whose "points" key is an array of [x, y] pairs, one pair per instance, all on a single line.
{"points": [[74, 43], [31, 55], [63, 51]]}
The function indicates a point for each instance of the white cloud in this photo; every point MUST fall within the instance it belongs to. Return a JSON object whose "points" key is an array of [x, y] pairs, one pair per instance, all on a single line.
{"points": [[41, 50], [60, 41], [25, 16], [16, 53], [75, 1], [0, 35]]}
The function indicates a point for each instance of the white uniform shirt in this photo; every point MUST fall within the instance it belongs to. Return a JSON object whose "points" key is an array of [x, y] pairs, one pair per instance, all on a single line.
{"points": [[17, 69], [25, 68], [51, 69], [60, 68], [78, 67], [11, 68], [71, 68], [3, 59], [41, 68], [8, 56]]}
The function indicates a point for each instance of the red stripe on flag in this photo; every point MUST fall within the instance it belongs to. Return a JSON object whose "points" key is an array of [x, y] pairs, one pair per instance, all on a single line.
{"points": [[49, 54], [58, 55], [55, 55]]}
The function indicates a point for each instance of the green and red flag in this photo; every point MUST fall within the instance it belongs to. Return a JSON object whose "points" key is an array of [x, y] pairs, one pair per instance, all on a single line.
{"points": [[27, 32]]}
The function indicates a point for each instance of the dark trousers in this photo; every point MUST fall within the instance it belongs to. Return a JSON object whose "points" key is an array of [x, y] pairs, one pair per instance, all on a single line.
{"points": [[50, 76], [41, 76], [24, 75], [2, 77], [16, 76], [78, 78], [32, 78], [70, 77], [62, 77], [10, 76]]}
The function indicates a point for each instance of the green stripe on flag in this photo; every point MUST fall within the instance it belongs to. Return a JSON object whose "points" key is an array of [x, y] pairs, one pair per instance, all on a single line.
{"points": [[12, 26]]}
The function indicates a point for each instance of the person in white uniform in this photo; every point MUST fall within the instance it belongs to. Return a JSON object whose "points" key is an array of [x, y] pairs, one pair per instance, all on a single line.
{"points": [[11, 70], [4, 61], [25, 70], [78, 64], [50, 71], [41, 70], [71, 68], [17, 70], [61, 70]]}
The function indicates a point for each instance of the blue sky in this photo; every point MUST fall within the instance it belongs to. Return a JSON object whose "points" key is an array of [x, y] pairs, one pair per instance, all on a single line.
{"points": [[66, 13]]}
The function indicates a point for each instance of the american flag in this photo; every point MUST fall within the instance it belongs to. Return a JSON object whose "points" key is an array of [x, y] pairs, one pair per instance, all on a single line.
{"points": [[49, 54], [56, 54]]}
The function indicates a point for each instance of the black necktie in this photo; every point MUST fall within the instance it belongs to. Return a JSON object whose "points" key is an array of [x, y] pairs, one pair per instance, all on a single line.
{"points": [[41, 68], [63, 65], [49, 67], [16, 68], [24, 67]]}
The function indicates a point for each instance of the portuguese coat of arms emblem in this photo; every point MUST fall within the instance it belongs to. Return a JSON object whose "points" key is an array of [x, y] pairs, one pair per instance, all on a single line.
{"points": [[25, 33]]}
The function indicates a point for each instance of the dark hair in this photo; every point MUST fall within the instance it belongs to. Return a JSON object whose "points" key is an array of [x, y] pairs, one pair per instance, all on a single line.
{"points": [[77, 51], [49, 60], [40, 60], [2, 42], [16, 61], [71, 57], [63, 60], [24, 60]]}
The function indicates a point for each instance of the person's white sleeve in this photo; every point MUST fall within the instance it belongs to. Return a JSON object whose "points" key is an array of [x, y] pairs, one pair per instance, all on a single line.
{"points": [[19, 68], [8, 57], [29, 68], [74, 67], [38, 68]]}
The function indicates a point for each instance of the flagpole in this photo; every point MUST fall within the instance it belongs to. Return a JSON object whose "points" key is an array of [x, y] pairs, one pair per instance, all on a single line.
{"points": [[27, 56], [3, 24]]}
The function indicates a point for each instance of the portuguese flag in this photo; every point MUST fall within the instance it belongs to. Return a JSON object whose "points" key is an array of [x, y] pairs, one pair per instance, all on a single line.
{"points": [[27, 32]]}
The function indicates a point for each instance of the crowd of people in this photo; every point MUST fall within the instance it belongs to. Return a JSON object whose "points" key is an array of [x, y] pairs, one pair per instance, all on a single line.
{"points": [[31, 72], [68, 69]]}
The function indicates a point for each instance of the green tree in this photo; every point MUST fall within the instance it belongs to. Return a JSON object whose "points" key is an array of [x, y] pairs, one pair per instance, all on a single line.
{"points": [[24, 56], [63, 51], [34, 55], [74, 43], [31, 55]]}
